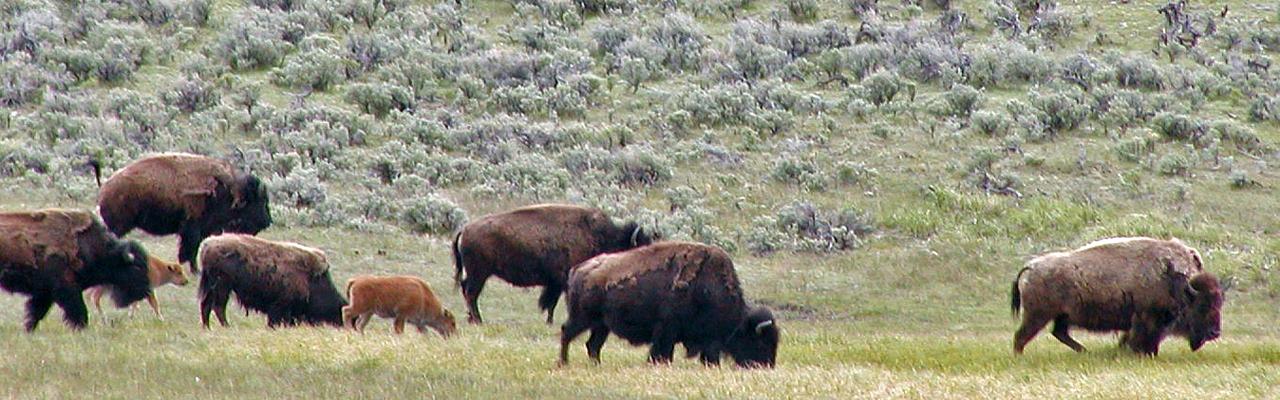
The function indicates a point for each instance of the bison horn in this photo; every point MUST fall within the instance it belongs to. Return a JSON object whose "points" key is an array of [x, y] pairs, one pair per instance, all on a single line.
{"points": [[128, 257], [760, 327], [635, 235]]}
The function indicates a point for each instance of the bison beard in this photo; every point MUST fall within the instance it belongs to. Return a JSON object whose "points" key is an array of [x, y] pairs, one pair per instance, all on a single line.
{"points": [[666, 294]]}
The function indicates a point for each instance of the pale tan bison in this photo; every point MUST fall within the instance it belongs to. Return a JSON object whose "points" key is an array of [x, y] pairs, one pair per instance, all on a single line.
{"points": [[1146, 288], [403, 298]]}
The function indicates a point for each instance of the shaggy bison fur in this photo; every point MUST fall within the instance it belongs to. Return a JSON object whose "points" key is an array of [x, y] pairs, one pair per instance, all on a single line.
{"points": [[1143, 287], [159, 273], [535, 246], [53, 255], [664, 294], [288, 282], [189, 195]]}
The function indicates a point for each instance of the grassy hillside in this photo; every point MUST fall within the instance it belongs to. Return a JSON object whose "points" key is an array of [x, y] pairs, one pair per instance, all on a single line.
{"points": [[880, 170]]}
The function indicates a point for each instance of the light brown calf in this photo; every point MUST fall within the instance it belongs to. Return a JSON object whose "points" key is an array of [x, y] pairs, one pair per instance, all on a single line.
{"points": [[404, 298], [159, 273]]}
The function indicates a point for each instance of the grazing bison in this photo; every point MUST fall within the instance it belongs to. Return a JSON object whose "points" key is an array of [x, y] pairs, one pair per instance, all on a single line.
{"points": [[288, 282], [1146, 288], [668, 293], [535, 246], [52, 255], [159, 273], [405, 298], [190, 195]]}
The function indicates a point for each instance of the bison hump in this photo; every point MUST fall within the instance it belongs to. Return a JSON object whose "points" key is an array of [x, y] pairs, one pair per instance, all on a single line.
{"points": [[34, 236]]}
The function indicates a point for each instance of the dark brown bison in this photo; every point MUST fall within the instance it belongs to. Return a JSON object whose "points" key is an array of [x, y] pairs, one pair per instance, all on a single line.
{"points": [[288, 282], [535, 246], [664, 294], [1144, 287], [53, 255], [191, 195]]}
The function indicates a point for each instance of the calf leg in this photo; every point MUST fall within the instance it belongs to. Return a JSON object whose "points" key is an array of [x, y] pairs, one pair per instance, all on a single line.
{"points": [[1061, 330], [471, 287], [595, 342], [95, 295], [155, 305], [363, 321], [399, 324], [37, 308], [1031, 326]]}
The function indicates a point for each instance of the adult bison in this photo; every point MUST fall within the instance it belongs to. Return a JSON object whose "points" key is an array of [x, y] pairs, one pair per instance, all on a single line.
{"points": [[668, 293], [1144, 287], [191, 195], [53, 255], [535, 246], [288, 282]]}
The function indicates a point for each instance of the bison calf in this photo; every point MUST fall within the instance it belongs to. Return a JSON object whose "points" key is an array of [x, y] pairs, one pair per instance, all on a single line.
{"points": [[535, 246], [159, 273], [664, 294], [404, 298], [288, 282], [1144, 287], [52, 255]]}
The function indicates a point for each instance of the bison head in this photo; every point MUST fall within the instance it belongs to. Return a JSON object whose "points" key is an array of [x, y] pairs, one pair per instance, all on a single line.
{"points": [[637, 236], [125, 269], [252, 213], [755, 343], [1202, 320]]}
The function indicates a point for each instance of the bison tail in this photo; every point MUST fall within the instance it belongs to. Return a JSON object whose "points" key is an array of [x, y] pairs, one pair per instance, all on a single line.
{"points": [[457, 259], [1015, 296], [97, 170], [349, 283]]}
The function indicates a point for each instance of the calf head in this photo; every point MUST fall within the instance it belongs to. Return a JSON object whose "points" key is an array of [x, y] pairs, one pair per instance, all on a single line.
{"points": [[124, 267], [444, 323], [162, 272], [755, 343], [252, 213]]}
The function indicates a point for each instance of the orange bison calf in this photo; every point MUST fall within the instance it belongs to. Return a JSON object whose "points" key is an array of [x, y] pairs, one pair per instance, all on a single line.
{"points": [[404, 298], [159, 273], [1144, 287]]}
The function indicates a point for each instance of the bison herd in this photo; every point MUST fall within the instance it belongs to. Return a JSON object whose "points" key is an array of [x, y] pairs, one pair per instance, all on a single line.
{"points": [[616, 278]]}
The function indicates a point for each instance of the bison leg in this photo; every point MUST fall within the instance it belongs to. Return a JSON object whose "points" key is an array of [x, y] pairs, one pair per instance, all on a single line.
{"points": [[213, 298], [188, 244], [73, 309], [595, 342], [1147, 332], [155, 305], [569, 331], [95, 295], [710, 354], [399, 324], [471, 287], [363, 321], [663, 347], [37, 308], [347, 321], [1061, 330], [1031, 326]]}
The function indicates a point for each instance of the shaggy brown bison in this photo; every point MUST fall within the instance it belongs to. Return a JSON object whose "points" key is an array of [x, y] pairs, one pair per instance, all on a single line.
{"points": [[52, 255], [664, 294], [535, 246], [1144, 287], [404, 298], [191, 195], [288, 282], [159, 273]]}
